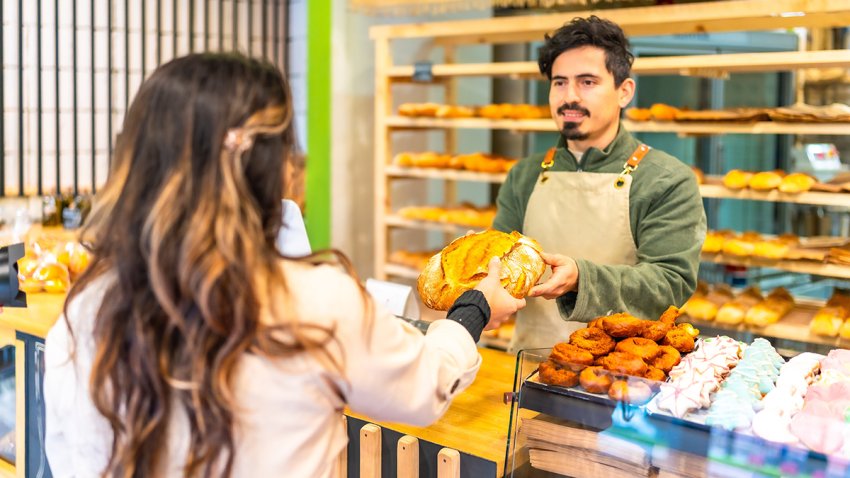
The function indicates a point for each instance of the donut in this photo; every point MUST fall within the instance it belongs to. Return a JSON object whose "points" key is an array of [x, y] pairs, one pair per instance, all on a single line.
{"points": [[670, 315], [595, 379], [553, 374], [656, 374], [624, 363], [693, 332], [594, 340], [667, 359], [571, 356], [622, 325], [644, 348], [597, 322], [679, 339], [655, 330], [635, 392]]}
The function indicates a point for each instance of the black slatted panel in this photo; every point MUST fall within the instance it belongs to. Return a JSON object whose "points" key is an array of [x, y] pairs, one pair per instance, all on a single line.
{"points": [[109, 80], [38, 106], [74, 91], [58, 137], [235, 25], [265, 32], [221, 25], [191, 22], [206, 25]]}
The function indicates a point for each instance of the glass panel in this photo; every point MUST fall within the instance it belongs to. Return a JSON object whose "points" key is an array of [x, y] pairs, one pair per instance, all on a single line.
{"points": [[7, 404]]}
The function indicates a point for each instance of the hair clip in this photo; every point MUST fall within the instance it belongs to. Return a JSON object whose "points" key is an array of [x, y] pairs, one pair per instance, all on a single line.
{"points": [[238, 141]]}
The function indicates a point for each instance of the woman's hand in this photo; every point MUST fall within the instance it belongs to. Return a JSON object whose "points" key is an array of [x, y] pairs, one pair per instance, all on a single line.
{"points": [[564, 277], [502, 304]]}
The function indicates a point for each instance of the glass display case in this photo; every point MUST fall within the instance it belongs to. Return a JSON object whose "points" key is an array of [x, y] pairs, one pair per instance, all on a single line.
{"points": [[7, 404], [567, 431]]}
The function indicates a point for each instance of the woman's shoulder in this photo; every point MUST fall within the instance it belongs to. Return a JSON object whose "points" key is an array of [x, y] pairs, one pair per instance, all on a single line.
{"points": [[321, 290]]}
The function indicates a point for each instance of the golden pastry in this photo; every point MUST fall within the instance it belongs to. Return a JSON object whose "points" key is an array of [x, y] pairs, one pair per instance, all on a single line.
{"points": [[734, 312], [662, 112], [796, 183], [463, 263], [775, 306], [639, 114], [737, 179], [766, 181], [714, 240]]}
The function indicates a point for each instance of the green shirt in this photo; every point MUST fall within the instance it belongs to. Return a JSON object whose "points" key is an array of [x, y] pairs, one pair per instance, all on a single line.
{"points": [[667, 223]]}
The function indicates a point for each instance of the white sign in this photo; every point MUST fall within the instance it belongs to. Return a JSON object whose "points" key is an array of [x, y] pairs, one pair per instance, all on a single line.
{"points": [[396, 298]]}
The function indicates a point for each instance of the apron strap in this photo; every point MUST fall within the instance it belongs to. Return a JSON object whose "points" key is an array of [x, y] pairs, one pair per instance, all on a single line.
{"points": [[548, 162], [634, 160]]}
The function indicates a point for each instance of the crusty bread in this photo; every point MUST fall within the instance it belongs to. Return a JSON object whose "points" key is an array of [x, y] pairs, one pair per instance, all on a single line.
{"points": [[463, 263]]}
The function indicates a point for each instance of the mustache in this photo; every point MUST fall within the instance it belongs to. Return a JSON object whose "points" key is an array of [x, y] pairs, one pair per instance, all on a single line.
{"points": [[573, 107]]}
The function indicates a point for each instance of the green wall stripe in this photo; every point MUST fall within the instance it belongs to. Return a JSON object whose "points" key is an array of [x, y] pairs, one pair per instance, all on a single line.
{"points": [[318, 167]]}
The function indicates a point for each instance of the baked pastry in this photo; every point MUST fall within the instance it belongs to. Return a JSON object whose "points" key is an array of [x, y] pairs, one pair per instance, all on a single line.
{"points": [[766, 181], [430, 159], [595, 379], [662, 112], [737, 179], [714, 240], [699, 174], [463, 263], [622, 325], [454, 111], [418, 109], [54, 277], [829, 319], [775, 306], [554, 374], [734, 312], [570, 356], [704, 306], [796, 183], [594, 340], [742, 246], [403, 159], [633, 391], [643, 348], [639, 114]]}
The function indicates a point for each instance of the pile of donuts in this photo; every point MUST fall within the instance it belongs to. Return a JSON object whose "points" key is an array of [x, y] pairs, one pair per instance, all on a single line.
{"points": [[620, 355]]}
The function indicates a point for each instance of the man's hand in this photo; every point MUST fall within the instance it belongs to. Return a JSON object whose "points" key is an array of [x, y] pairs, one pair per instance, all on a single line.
{"points": [[502, 304], [564, 277]]}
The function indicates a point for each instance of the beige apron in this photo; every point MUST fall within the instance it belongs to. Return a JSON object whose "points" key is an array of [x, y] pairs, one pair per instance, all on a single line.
{"points": [[582, 215]]}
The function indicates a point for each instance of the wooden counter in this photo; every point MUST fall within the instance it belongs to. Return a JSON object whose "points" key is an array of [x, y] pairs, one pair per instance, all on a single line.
{"points": [[476, 423], [37, 318]]}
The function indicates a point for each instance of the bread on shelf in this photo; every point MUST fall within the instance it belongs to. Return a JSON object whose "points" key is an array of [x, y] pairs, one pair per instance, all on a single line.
{"points": [[662, 112], [705, 303], [743, 245], [796, 183], [418, 109], [639, 114], [766, 180], [737, 179], [714, 240], [829, 318], [775, 306], [733, 312]]}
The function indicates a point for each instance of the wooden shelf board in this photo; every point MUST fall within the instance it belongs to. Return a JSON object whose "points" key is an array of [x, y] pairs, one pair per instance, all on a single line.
{"points": [[690, 127], [396, 221], [665, 65], [800, 267], [398, 270], [734, 15], [711, 190], [449, 174]]}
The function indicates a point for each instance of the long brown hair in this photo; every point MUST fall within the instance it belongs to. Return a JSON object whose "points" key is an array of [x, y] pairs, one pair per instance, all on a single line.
{"points": [[186, 228]]}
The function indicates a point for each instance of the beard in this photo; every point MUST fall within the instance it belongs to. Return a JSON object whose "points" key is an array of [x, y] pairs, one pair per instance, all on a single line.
{"points": [[570, 132]]}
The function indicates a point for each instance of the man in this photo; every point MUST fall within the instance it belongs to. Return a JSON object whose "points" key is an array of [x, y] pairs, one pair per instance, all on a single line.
{"points": [[620, 237]]}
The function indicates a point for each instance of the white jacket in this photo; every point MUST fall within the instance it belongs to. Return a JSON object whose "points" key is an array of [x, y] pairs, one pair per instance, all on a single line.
{"points": [[288, 421]]}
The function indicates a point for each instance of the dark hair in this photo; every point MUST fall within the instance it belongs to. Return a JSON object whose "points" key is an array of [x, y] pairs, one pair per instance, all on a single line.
{"points": [[185, 227], [590, 31]]}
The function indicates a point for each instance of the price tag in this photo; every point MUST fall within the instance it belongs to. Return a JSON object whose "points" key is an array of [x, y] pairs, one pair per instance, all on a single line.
{"points": [[422, 72], [396, 298]]}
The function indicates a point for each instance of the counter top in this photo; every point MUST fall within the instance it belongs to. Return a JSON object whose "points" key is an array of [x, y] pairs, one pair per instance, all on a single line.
{"points": [[477, 420], [42, 311]]}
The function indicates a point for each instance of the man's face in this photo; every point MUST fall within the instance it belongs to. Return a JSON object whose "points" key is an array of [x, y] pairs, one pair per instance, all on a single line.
{"points": [[583, 99]]}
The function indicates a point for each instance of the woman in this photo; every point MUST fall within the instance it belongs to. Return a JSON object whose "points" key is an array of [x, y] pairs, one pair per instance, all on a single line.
{"points": [[190, 347]]}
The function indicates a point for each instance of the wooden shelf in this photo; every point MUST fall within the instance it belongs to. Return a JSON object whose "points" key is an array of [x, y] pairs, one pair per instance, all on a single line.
{"points": [[396, 221], [448, 174], [692, 65], [695, 18], [800, 267], [404, 272], [711, 190], [690, 127]]}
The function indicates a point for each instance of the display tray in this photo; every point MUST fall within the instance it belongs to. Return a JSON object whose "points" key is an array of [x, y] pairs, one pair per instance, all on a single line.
{"points": [[648, 425]]}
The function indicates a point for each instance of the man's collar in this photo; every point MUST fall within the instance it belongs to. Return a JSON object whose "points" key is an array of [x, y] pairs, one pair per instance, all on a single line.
{"points": [[622, 142]]}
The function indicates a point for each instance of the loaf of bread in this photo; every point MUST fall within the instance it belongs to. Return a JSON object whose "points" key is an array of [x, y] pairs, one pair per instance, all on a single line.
{"points": [[737, 179], [463, 263]]}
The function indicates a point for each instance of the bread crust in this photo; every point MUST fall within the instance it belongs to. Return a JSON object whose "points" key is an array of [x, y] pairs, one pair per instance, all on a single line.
{"points": [[463, 263]]}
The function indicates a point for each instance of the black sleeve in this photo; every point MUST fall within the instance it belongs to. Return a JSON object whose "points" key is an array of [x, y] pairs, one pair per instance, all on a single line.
{"points": [[472, 311]]}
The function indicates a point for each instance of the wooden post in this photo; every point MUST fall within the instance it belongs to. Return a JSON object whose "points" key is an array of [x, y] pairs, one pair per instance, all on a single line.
{"points": [[450, 141], [448, 463], [342, 458], [408, 457], [383, 105], [370, 451]]}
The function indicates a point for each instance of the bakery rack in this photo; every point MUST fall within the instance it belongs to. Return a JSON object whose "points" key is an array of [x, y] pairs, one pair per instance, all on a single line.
{"points": [[735, 15]]}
